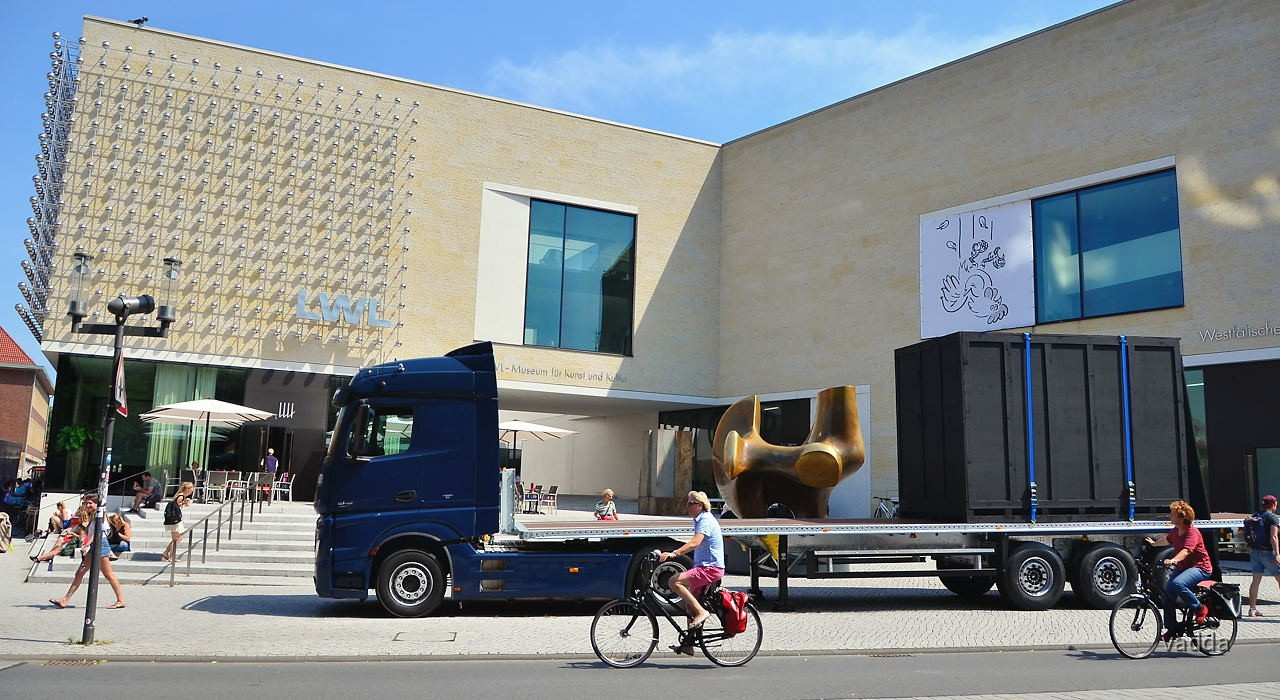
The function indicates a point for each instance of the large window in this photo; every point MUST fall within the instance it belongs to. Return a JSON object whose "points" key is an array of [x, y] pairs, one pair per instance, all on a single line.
{"points": [[1110, 249], [580, 280]]}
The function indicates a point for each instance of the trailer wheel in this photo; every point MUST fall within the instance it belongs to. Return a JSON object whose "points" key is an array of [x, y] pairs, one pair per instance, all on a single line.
{"points": [[1105, 575], [1033, 577], [1162, 572], [410, 584], [966, 586]]}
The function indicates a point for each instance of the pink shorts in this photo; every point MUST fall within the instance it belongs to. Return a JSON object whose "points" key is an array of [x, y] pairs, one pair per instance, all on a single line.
{"points": [[701, 577]]}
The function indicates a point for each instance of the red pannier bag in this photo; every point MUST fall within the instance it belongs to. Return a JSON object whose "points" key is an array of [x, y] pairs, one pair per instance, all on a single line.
{"points": [[733, 611]]}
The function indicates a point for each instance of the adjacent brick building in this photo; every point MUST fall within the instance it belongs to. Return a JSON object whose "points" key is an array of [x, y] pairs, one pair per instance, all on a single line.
{"points": [[24, 417]]}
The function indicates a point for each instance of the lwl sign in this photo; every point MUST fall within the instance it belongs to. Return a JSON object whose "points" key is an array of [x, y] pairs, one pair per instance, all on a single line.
{"points": [[354, 310]]}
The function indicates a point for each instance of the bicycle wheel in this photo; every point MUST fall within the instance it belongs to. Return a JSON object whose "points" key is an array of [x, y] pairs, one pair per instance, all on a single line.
{"points": [[623, 634], [1135, 627], [1216, 637], [736, 650]]}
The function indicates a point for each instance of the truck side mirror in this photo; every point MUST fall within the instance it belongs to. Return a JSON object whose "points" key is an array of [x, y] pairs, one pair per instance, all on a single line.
{"points": [[359, 425]]}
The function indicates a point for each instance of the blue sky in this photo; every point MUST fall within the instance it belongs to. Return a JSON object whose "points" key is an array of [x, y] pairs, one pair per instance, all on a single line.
{"points": [[710, 70]]}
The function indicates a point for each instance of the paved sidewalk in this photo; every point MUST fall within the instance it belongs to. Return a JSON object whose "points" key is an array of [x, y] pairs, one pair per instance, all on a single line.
{"points": [[210, 622]]}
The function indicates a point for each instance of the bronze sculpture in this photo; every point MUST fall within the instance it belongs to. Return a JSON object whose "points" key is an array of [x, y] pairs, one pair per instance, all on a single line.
{"points": [[753, 474]]}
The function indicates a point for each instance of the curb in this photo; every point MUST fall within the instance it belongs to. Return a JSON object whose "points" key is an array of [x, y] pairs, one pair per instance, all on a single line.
{"points": [[205, 658]]}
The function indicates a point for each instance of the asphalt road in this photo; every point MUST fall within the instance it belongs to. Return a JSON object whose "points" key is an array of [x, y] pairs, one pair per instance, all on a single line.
{"points": [[1066, 674]]}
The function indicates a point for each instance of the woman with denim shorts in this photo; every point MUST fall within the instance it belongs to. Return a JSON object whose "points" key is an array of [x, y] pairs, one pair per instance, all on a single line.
{"points": [[1264, 556]]}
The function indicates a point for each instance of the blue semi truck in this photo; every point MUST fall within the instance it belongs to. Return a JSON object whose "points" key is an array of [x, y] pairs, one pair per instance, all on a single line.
{"points": [[411, 507]]}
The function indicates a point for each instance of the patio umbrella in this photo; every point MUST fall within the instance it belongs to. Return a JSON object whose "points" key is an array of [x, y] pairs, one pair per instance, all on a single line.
{"points": [[514, 430], [211, 412]]}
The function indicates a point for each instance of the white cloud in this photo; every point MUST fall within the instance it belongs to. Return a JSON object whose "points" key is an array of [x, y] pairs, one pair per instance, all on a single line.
{"points": [[732, 83]]}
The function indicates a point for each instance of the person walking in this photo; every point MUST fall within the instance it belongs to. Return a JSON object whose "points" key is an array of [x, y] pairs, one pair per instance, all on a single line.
{"points": [[1264, 555], [707, 546], [173, 519], [269, 465], [90, 509]]}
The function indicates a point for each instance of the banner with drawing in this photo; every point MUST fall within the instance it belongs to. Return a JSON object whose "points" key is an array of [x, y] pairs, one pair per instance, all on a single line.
{"points": [[976, 271]]}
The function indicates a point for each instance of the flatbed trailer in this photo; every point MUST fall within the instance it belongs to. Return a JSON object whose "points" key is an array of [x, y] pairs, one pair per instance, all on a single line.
{"points": [[1031, 562]]}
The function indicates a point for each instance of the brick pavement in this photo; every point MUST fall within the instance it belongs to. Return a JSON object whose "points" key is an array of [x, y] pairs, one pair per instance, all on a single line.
{"points": [[207, 622]]}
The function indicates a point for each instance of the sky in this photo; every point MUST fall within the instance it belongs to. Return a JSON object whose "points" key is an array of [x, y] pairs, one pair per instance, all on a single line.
{"points": [[711, 70]]}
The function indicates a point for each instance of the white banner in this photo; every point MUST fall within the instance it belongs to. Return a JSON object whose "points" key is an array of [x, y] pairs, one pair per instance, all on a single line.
{"points": [[976, 271]]}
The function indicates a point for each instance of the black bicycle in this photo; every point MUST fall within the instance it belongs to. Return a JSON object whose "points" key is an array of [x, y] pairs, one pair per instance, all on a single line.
{"points": [[625, 631], [1137, 621]]}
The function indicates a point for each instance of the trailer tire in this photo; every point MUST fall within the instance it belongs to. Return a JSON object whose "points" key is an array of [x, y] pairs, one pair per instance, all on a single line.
{"points": [[1033, 577], [1105, 575], [968, 586], [1162, 572], [410, 584]]}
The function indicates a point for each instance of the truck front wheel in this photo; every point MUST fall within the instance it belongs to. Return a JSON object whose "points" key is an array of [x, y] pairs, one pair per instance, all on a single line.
{"points": [[1033, 577], [410, 584]]}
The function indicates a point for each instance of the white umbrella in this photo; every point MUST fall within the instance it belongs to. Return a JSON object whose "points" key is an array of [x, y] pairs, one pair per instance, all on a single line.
{"points": [[211, 412], [514, 430]]}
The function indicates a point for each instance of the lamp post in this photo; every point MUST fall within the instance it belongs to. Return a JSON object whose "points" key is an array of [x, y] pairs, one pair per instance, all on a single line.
{"points": [[122, 307]]}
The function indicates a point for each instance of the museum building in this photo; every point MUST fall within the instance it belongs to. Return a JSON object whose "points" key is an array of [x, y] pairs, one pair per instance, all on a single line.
{"points": [[1116, 174]]}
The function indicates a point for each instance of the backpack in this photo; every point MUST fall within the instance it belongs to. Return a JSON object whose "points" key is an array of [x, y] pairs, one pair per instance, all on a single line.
{"points": [[173, 512], [733, 611], [1257, 531]]}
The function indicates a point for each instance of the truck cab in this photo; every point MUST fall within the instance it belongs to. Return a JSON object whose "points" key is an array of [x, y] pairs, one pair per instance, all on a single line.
{"points": [[412, 470]]}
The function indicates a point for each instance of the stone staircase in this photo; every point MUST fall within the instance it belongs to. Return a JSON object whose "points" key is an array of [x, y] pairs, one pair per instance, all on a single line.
{"points": [[276, 549]]}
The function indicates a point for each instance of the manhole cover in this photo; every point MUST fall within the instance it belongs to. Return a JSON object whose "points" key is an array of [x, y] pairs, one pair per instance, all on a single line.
{"points": [[424, 637]]}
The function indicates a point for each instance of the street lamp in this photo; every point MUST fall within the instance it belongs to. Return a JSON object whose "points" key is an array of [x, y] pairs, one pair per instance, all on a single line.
{"points": [[122, 307]]}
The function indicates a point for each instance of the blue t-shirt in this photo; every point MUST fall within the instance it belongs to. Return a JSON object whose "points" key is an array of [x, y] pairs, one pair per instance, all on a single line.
{"points": [[709, 552]]}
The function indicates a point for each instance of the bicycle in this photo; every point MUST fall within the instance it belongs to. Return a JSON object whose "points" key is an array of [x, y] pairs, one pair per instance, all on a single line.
{"points": [[1137, 621], [886, 508], [625, 631]]}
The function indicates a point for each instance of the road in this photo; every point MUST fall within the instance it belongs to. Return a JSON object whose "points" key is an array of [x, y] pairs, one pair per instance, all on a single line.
{"points": [[1251, 668]]}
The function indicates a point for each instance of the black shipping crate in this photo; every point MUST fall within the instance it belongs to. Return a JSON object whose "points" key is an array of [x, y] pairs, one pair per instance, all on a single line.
{"points": [[962, 430]]}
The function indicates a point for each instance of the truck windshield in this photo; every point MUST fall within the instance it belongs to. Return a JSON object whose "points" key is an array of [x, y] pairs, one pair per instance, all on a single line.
{"points": [[330, 443]]}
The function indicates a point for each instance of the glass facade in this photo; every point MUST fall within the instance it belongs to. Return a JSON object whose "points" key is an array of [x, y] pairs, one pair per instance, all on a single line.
{"points": [[580, 286], [1110, 249]]}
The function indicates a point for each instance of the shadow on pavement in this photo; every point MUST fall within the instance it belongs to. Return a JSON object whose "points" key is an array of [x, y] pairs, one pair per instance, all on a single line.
{"points": [[308, 606]]}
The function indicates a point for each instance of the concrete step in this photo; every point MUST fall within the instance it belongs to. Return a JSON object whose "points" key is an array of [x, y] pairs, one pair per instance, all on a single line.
{"points": [[158, 544], [248, 572], [161, 578]]}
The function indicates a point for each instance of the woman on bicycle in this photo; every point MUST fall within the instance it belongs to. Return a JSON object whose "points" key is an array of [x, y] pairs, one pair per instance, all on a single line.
{"points": [[707, 546], [1190, 562]]}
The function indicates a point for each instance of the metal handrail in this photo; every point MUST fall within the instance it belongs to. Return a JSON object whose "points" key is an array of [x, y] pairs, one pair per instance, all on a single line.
{"points": [[245, 504]]}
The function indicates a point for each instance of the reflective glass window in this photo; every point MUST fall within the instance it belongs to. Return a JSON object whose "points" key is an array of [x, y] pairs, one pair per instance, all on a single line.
{"points": [[1110, 249], [580, 288]]}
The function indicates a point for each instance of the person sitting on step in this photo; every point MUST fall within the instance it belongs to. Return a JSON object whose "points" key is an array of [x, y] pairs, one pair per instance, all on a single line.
{"points": [[146, 492]]}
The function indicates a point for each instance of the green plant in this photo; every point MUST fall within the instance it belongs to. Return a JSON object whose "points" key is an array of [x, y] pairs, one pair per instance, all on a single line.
{"points": [[74, 436]]}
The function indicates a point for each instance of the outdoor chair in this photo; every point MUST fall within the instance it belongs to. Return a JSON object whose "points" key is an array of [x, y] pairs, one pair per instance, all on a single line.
{"points": [[262, 483], [283, 487], [549, 499], [531, 499], [215, 485], [519, 504], [237, 488]]}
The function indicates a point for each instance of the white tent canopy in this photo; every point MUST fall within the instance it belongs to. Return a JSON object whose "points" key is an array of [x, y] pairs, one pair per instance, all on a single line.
{"points": [[205, 411], [514, 430], [209, 412]]}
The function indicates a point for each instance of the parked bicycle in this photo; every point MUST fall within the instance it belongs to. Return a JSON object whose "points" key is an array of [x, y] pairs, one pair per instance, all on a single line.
{"points": [[886, 508], [1137, 621], [625, 631]]}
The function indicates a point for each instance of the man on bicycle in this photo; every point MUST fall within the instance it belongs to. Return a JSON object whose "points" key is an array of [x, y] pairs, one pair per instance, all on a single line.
{"points": [[707, 546]]}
